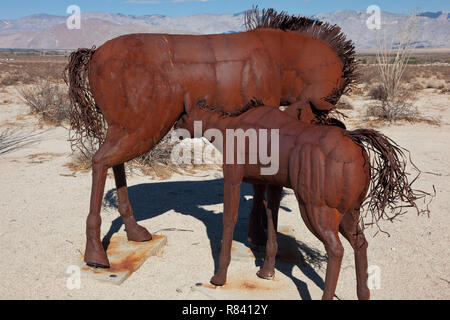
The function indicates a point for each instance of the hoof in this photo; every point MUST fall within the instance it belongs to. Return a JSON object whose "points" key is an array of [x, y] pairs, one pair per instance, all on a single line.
{"points": [[138, 234], [96, 265], [218, 280], [266, 275], [97, 262], [95, 255], [363, 294]]}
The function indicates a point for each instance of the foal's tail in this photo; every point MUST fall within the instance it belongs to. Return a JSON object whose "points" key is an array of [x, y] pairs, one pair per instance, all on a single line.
{"points": [[389, 188], [87, 125]]}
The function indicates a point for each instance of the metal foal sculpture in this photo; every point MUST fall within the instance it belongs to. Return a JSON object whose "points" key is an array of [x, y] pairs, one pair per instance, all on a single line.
{"points": [[137, 86], [330, 172]]}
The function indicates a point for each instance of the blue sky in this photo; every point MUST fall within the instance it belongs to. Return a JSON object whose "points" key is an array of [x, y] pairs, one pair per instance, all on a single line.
{"points": [[19, 8]]}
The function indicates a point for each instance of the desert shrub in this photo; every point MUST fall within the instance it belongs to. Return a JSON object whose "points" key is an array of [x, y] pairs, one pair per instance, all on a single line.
{"points": [[367, 74], [47, 99], [392, 58], [400, 108], [156, 161], [377, 92], [159, 153], [406, 112], [11, 79], [433, 83], [345, 103], [159, 158]]}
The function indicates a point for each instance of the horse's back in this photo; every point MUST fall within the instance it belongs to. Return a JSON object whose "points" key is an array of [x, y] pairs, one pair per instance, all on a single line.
{"points": [[145, 71]]}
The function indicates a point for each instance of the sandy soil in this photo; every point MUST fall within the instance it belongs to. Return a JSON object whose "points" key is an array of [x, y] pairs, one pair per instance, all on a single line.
{"points": [[44, 205]]}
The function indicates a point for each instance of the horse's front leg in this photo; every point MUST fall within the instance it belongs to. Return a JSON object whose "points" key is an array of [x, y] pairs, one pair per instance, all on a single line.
{"points": [[268, 270], [233, 178]]}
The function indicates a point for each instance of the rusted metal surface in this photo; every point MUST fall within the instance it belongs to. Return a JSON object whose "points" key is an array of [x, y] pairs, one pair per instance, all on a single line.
{"points": [[138, 85]]}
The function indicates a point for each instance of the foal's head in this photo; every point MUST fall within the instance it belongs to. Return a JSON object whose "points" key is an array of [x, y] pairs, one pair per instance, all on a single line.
{"points": [[191, 114]]}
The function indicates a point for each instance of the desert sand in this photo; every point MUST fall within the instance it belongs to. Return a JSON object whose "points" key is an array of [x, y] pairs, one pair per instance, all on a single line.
{"points": [[44, 205]]}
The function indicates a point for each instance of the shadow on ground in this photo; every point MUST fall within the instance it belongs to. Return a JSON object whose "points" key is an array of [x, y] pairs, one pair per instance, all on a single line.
{"points": [[186, 197]]}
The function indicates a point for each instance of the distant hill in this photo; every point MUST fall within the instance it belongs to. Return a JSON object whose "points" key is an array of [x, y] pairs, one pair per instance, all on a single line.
{"points": [[432, 29], [43, 31]]}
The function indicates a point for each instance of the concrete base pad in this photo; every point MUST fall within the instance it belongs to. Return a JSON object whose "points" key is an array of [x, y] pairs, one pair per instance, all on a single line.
{"points": [[246, 284], [125, 257]]}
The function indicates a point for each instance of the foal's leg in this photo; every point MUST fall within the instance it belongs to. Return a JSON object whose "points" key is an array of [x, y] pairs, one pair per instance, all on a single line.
{"points": [[273, 202], [324, 222], [351, 230], [258, 218], [256, 233], [268, 270], [233, 179], [134, 231]]}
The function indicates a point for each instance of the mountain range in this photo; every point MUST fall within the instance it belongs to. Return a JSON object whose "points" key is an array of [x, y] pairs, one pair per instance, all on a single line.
{"points": [[43, 31]]}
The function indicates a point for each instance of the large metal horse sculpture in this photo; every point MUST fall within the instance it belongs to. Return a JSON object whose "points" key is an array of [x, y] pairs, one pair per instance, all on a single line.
{"points": [[138, 85], [330, 172]]}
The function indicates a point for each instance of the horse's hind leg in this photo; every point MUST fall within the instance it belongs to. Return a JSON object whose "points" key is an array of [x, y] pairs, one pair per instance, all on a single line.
{"points": [[114, 151], [135, 232], [351, 230], [324, 222], [95, 255]]}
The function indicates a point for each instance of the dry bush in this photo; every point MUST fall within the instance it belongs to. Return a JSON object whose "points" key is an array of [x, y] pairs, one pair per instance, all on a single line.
{"points": [[377, 92], [156, 162], [367, 74], [445, 90], [159, 153], [403, 109], [9, 80], [434, 83], [392, 58], [404, 112], [345, 103], [441, 72], [49, 100]]}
